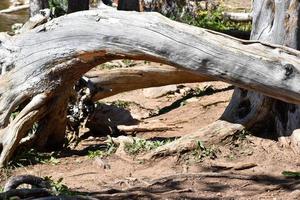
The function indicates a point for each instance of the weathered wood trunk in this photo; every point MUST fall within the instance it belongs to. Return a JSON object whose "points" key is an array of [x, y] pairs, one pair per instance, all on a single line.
{"points": [[36, 5], [39, 67], [276, 22]]}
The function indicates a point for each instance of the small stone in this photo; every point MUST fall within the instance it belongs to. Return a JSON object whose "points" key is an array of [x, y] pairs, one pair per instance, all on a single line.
{"points": [[157, 92]]}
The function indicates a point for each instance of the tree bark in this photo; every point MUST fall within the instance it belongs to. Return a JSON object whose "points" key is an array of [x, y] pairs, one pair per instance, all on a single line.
{"points": [[106, 83], [275, 22], [36, 5], [39, 66]]}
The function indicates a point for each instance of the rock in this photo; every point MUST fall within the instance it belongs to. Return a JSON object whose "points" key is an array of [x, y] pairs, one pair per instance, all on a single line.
{"points": [[295, 139], [193, 99], [157, 92]]}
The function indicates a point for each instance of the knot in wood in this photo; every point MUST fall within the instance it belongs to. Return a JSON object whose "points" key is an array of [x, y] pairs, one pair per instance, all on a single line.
{"points": [[289, 70], [287, 16]]}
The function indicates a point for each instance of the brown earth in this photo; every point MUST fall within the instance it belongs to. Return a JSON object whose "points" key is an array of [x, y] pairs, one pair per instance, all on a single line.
{"points": [[244, 167]]}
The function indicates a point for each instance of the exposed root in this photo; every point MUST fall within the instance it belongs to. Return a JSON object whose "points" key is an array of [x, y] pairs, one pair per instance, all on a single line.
{"points": [[24, 193], [149, 127], [212, 134], [11, 187], [9, 105], [12, 134], [16, 181], [41, 190]]}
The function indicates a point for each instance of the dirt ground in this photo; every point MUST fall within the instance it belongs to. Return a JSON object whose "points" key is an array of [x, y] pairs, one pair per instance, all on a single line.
{"points": [[245, 167], [248, 167]]}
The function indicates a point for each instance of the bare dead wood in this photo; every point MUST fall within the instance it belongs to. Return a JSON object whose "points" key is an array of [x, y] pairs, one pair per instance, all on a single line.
{"points": [[275, 22], [110, 82], [25, 193], [214, 133], [238, 17], [149, 127], [42, 17], [15, 181], [36, 5], [14, 9], [39, 66]]}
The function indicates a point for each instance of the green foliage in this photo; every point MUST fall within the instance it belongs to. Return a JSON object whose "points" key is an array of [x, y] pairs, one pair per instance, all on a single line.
{"points": [[214, 20], [129, 63], [203, 151], [141, 145], [58, 7], [110, 148], [14, 115], [121, 104], [58, 188], [125, 63], [242, 135], [32, 156], [291, 174]]}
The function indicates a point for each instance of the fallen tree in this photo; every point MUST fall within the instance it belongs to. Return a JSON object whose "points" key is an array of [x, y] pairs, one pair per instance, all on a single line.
{"points": [[40, 67], [106, 83]]}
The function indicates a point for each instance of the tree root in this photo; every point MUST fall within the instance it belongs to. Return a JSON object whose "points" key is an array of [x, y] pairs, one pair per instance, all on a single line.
{"points": [[41, 191], [212, 134], [16, 130], [149, 127], [16, 181]]}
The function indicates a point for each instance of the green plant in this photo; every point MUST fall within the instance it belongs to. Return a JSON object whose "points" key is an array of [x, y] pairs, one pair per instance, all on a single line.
{"points": [[214, 20], [58, 188], [58, 7], [291, 174], [202, 151], [141, 145], [242, 135], [121, 104], [107, 66], [109, 150], [96, 153], [129, 63], [32, 156]]}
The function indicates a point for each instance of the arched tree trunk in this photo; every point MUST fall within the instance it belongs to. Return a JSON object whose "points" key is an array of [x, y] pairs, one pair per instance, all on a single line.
{"points": [[42, 65], [276, 22]]}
